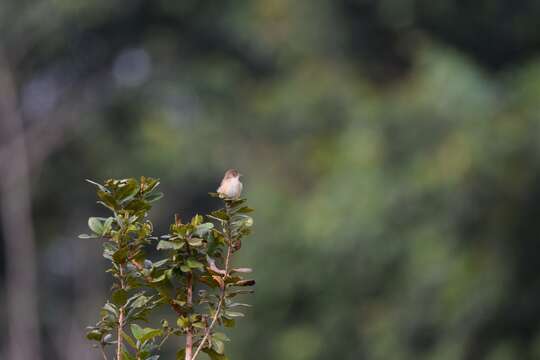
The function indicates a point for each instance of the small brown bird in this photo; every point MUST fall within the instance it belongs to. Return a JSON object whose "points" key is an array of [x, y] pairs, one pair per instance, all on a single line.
{"points": [[230, 186]]}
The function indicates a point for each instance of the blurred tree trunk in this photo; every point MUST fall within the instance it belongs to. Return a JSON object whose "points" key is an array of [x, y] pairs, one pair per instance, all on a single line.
{"points": [[17, 228]]}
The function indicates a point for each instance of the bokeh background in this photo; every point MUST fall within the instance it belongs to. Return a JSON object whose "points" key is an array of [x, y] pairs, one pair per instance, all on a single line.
{"points": [[390, 147]]}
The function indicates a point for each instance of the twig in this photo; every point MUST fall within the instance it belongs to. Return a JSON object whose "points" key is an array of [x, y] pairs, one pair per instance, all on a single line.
{"points": [[164, 339], [103, 352]]}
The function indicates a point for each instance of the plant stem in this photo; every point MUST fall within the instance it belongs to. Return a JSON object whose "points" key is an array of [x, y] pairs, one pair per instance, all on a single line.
{"points": [[216, 315], [208, 330], [189, 334], [120, 319]]}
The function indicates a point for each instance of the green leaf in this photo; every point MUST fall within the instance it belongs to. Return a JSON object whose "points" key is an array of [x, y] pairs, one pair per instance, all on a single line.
{"points": [[181, 354], [111, 309], [199, 325], [248, 221], [100, 187], [214, 355], [137, 205], [108, 339], [233, 305], [127, 356], [194, 264], [179, 302], [119, 297], [107, 225], [233, 314], [160, 263], [197, 220], [228, 322], [127, 189], [143, 334], [220, 214], [245, 210], [107, 200], [86, 236], [244, 283], [185, 268], [182, 322], [195, 241], [203, 229], [149, 184], [235, 202], [95, 225], [233, 293], [170, 245], [242, 220], [213, 267], [150, 333], [95, 335], [137, 331], [220, 336], [120, 255], [140, 302], [153, 197], [159, 278], [218, 346], [108, 250], [129, 340]]}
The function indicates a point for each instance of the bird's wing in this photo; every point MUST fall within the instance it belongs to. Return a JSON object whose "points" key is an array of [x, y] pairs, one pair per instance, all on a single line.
{"points": [[220, 188]]}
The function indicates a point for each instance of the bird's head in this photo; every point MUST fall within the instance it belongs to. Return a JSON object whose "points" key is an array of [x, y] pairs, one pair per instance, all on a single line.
{"points": [[232, 173]]}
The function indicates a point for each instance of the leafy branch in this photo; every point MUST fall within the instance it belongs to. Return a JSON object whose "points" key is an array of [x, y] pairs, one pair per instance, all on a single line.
{"points": [[197, 256]]}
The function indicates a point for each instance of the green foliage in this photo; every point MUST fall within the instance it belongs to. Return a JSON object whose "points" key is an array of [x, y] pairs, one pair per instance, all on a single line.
{"points": [[196, 254]]}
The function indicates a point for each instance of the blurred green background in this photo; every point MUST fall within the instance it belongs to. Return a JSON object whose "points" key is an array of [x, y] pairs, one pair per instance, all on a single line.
{"points": [[390, 147]]}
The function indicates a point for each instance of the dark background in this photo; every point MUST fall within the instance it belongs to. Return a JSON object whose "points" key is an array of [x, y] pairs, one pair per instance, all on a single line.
{"points": [[391, 149]]}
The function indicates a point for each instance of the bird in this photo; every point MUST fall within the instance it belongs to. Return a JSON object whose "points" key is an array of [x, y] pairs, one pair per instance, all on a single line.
{"points": [[230, 186]]}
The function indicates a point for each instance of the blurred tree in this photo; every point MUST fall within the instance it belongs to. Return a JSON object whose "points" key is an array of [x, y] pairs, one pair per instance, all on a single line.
{"points": [[17, 226]]}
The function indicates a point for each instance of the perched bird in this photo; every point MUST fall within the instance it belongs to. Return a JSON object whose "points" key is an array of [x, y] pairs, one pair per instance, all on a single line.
{"points": [[231, 187]]}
